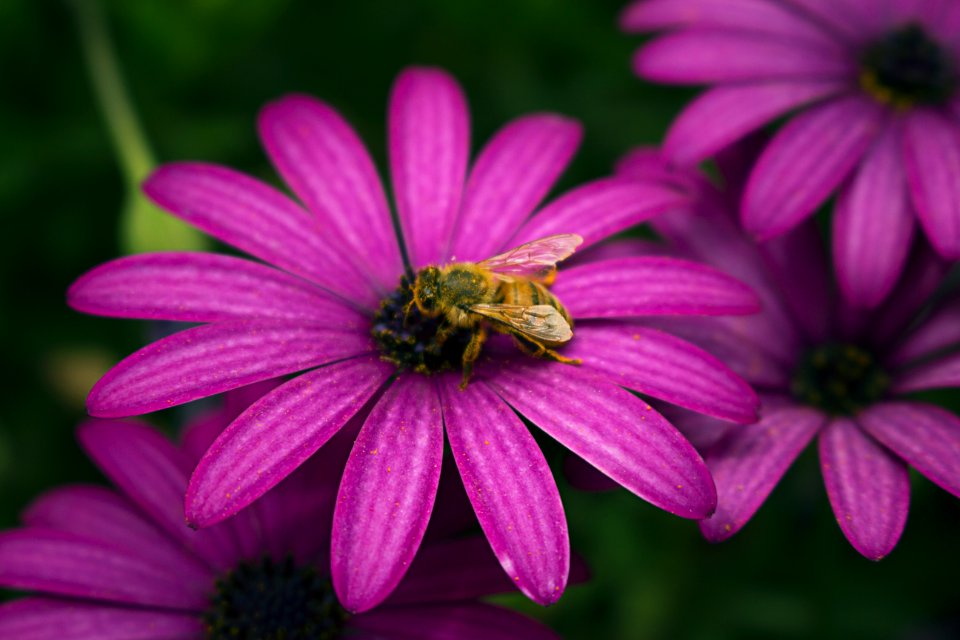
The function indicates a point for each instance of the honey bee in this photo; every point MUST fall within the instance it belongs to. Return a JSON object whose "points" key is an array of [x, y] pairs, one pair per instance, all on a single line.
{"points": [[508, 293]]}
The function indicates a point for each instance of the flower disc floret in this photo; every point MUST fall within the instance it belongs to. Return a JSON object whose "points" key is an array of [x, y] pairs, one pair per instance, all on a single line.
{"points": [[908, 67], [408, 339], [274, 601], [839, 379]]}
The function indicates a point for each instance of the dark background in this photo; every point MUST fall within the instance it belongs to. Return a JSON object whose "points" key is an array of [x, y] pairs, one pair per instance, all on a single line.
{"points": [[198, 72]]}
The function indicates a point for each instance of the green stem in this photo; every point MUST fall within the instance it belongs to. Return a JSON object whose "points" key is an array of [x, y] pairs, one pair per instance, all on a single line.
{"points": [[143, 227], [129, 141]]}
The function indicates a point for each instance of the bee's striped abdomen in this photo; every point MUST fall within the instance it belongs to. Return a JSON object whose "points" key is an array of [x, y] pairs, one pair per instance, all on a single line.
{"points": [[528, 293]]}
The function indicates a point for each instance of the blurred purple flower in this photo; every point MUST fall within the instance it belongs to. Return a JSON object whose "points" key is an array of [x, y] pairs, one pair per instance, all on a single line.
{"points": [[108, 564], [873, 86], [823, 368], [341, 264]]}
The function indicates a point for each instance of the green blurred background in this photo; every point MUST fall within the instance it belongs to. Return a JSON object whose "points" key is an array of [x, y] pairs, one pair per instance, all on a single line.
{"points": [[197, 73]]}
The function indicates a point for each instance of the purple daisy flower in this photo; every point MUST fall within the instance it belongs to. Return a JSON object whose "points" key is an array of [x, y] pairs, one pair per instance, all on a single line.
{"points": [[823, 368], [108, 564], [870, 87], [335, 307]]}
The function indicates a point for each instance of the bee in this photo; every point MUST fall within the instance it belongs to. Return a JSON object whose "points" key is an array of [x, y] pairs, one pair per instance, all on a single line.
{"points": [[508, 293]]}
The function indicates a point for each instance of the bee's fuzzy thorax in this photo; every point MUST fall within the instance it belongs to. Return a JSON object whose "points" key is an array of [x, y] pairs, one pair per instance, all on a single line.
{"points": [[407, 336]]}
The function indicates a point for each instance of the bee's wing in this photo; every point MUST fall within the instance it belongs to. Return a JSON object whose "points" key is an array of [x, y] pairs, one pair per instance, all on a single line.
{"points": [[536, 259], [540, 322]]}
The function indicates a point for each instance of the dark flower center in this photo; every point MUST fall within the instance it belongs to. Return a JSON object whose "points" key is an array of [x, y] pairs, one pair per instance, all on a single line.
{"points": [[907, 67], [409, 339], [839, 379], [270, 600]]}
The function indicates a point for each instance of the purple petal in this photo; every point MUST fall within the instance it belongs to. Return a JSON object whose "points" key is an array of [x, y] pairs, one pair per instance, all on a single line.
{"points": [[649, 164], [612, 429], [238, 400], [49, 619], [62, 563], [453, 514], [851, 322], [869, 488], [852, 20], [326, 164], [202, 287], [200, 432], [938, 332], [742, 343], [708, 233], [387, 493], [619, 248], [498, 197], [734, 164], [941, 373], [211, 359], [702, 431], [295, 516], [152, 472], [600, 209], [511, 488], [105, 516], [77, 507], [949, 22], [873, 225], [932, 160], [466, 621], [662, 366], [925, 436], [936, 16], [705, 55], [922, 277], [725, 114], [429, 144], [450, 571], [258, 219], [806, 161], [759, 16], [197, 435], [749, 462], [807, 292], [650, 287], [277, 434]]}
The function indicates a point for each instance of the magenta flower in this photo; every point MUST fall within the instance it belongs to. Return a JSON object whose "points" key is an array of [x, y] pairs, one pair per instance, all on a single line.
{"points": [[870, 88], [334, 307], [121, 565], [824, 369]]}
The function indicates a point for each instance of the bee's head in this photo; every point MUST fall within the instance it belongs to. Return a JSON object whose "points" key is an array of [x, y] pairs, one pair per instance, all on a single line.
{"points": [[426, 291]]}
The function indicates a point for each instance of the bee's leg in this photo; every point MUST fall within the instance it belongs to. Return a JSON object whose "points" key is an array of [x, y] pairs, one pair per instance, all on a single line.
{"points": [[530, 347], [406, 311], [443, 332], [550, 354], [550, 277], [472, 352], [538, 350]]}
